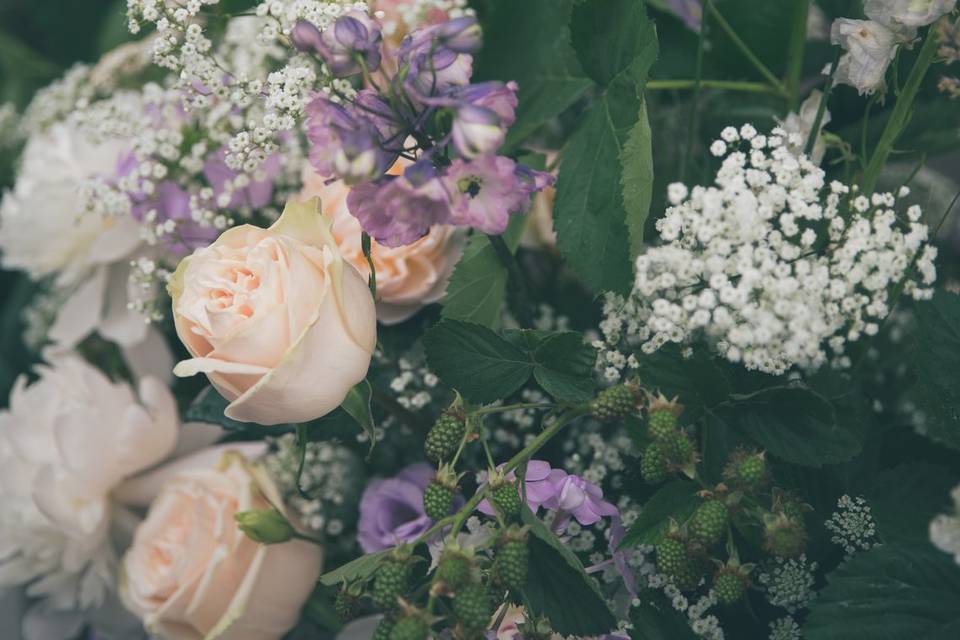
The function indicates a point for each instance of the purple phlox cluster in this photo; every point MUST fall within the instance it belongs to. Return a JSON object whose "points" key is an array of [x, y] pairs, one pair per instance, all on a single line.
{"points": [[391, 509], [420, 107], [569, 495]]}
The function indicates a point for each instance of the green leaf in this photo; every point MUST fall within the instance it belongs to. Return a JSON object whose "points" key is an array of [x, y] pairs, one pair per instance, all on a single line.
{"points": [[676, 500], [357, 404], [636, 179], [608, 36], [478, 283], [892, 592], [795, 425], [696, 380], [476, 361], [590, 216], [359, 569], [935, 356], [905, 499], [532, 47], [564, 366], [559, 588], [659, 623]]}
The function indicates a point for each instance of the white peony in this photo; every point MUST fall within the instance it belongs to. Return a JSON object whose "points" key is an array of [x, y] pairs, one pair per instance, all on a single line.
{"points": [[66, 442], [869, 47]]}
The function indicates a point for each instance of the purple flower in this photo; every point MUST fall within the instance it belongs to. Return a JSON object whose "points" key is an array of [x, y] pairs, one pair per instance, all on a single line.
{"points": [[498, 97], [350, 44], [391, 510], [399, 210], [349, 141], [462, 35], [540, 481], [487, 189], [255, 194], [433, 69], [476, 130], [690, 11]]}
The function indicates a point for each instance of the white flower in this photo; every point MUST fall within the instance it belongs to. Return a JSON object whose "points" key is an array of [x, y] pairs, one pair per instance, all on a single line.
{"points": [[65, 443], [852, 525], [869, 47], [945, 529], [898, 14], [799, 125]]}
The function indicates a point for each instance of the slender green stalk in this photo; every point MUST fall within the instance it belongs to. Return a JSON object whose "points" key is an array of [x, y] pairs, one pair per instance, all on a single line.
{"points": [[795, 49], [822, 108], [901, 112], [727, 85], [301, 455], [511, 407], [694, 102], [761, 68], [519, 281], [365, 245]]}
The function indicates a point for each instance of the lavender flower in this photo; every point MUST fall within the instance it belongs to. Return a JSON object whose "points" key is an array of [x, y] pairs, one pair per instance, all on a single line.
{"points": [[433, 69], [350, 141], [230, 195], [498, 97], [462, 35], [352, 43], [476, 130], [391, 510], [487, 189]]}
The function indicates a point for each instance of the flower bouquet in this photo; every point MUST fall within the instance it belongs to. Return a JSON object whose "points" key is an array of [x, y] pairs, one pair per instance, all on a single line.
{"points": [[412, 319]]}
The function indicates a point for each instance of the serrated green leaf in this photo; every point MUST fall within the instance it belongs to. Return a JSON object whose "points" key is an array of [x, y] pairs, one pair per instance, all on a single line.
{"points": [[664, 623], [565, 366], [636, 179], [559, 588], [676, 500], [935, 357], [904, 500], [357, 404], [359, 569], [892, 592], [609, 36], [795, 425], [477, 286], [476, 361]]}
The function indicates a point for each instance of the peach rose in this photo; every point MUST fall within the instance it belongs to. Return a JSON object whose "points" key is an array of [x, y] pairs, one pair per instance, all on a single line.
{"points": [[191, 574], [408, 277], [280, 325]]}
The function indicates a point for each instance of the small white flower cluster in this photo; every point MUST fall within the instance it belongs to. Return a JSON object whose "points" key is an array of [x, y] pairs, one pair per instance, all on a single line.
{"points": [[871, 45], [147, 280], [945, 528], [330, 484], [596, 455], [769, 270], [789, 584], [852, 525], [414, 383], [785, 628], [57, 100]]}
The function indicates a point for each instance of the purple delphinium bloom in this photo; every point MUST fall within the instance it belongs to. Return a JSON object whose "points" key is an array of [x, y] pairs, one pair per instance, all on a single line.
{"points": [[540, 481], [351, 43], [255, 194], [462, 35], [476, 130], [498, 97], [433, 69], [391, 509], [399, 210], [690, 11], [486, 190]]}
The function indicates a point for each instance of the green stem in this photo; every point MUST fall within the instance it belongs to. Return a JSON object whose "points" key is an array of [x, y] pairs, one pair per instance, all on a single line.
{"points": [[512, 407], [901, 112], [301, 455], [822, 107], [509, 261], [694, 102], [795, 47], [761, 68], [365, 245], [727, 85]]}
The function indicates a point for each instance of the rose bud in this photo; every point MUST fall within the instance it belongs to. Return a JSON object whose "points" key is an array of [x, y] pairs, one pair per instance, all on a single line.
{"points": [[266, 526], [281, 325]]}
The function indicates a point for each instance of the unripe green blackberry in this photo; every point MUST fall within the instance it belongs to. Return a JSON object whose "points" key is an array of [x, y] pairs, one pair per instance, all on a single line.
{"points": [[444, 437], [384, 628], [510, 564], [389, 583], [653, 467], [347, 602], [729, 586], [663, 422], [709, 523], [410, 628], [671, 556], [472, 607], [506, 499], [455, 568], [784, 537], [437, 501], [747, 470], [615, 403], [677, 448]]}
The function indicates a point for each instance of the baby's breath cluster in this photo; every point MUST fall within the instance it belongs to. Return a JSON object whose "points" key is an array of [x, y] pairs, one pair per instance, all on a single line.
{"points": [[772, 266]]}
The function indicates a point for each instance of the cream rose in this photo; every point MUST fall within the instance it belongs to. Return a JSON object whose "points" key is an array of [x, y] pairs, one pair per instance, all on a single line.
{"points": [[280, 325], [408, 277], [191, 574]]}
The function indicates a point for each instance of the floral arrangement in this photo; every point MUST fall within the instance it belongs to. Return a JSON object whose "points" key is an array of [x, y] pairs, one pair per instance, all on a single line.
{"points": [[412, 319]]}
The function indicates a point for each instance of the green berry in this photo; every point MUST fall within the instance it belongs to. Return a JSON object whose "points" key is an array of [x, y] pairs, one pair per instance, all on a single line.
{"points": [[437, 500], [506, 499], [709, 523], [752, 470], [653, 467], [677, 448], [444, 437], [729, 586], [614, 403], [784, 537], [346, 604], [510, 564], [412, 628], [662, 424], [389, 583], [384, 629], [471, 605], [454, 569], [671, 555]]}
